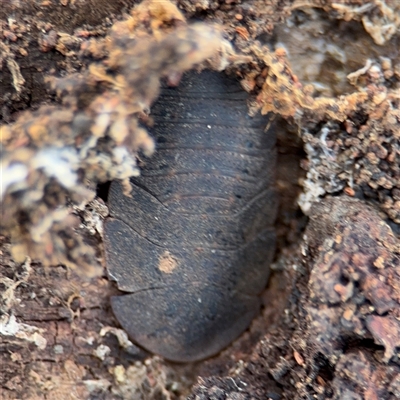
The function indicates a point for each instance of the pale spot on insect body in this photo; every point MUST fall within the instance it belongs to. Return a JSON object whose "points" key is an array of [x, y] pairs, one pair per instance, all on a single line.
{"points": [[167, 263]]}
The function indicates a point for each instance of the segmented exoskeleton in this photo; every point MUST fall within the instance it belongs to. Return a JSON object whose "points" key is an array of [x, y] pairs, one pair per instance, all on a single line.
{"points": [[193, 243]]}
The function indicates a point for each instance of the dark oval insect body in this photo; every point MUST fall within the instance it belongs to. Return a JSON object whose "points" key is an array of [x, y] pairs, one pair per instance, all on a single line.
{"points": [[193, 243]]}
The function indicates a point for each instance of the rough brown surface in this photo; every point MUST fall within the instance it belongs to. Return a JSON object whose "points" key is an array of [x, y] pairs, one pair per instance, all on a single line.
{"points": [[43, 38], [339, 340], [330, 323]]}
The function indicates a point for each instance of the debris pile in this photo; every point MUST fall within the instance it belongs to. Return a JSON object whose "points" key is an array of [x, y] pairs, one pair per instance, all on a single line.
{"points": [[58, 154], [358, 151]]}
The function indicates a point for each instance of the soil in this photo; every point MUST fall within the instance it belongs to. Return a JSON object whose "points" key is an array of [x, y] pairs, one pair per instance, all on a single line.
{"points": [[329, 328]]}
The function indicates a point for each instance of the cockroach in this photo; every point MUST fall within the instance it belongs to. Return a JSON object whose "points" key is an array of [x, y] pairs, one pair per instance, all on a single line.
{"points": [[192, 245]]}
